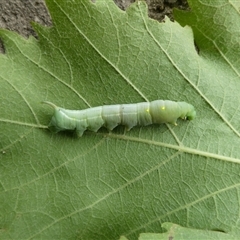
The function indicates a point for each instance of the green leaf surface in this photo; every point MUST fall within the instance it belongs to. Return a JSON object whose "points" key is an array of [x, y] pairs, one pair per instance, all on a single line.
{"points": [[106, 185], [175, 231]]}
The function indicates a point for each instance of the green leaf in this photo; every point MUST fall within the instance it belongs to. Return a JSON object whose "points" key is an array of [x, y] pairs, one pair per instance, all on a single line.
{"points": [[175, 231], [105, 185]]}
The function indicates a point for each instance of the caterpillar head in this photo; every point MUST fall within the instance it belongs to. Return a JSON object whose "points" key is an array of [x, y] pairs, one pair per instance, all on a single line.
{"points": [[191, 114]]}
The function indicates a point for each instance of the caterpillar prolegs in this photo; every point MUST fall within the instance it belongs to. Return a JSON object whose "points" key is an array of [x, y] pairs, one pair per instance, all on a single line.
{"points": [[110, 116]]}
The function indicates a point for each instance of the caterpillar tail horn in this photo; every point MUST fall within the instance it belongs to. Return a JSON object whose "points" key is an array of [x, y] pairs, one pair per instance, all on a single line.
{"points": [[50, 104]]}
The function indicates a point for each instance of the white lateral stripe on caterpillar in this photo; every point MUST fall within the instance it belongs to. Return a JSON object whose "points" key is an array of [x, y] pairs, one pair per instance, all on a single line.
{"points": [[110, 116]]}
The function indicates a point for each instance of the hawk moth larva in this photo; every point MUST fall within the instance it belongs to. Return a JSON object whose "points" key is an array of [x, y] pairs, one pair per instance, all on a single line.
{"points": [[110, 116]]}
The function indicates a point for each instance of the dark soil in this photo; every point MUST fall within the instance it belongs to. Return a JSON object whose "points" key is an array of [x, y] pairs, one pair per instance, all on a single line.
{"points": [[17, 15]]}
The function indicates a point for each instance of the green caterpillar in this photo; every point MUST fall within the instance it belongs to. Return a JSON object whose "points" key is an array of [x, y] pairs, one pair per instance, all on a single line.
{"points": [[110, 116]]}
